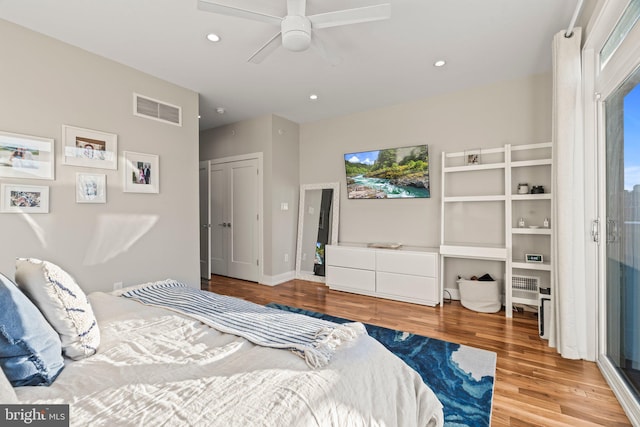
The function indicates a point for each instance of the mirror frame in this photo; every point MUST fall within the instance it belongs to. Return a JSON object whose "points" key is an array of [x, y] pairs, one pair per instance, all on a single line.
{"points": [[335, 215]]}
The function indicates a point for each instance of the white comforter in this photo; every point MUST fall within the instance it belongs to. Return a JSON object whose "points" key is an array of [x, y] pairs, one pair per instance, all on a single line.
{"points": [[155, 367]]}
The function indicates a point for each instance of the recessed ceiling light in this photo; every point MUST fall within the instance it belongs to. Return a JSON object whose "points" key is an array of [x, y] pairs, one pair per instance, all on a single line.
{"points": [[439, 63], [313, 97], [220, 110], [213, 37]]}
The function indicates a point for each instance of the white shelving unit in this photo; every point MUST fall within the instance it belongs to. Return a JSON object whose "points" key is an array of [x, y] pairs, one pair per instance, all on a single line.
{"points": [[529, 163]]}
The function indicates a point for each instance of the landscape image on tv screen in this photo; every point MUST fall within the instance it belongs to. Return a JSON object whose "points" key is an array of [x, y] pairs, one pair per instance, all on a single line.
{"points": [[391, 173]]}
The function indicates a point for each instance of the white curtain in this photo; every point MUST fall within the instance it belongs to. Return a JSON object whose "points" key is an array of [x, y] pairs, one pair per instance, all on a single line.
{"points": [[568, 315]]}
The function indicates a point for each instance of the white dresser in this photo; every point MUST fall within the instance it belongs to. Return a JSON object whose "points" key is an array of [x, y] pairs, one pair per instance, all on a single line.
{"points": [[407, 274]]}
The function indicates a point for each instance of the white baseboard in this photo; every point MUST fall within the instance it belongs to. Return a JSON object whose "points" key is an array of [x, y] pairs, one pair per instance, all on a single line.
{"points": [[452, 293], [276, 280]]}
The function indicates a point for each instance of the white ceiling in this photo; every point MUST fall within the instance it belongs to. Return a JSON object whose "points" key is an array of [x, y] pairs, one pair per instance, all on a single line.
{"points": [[381, 63]]}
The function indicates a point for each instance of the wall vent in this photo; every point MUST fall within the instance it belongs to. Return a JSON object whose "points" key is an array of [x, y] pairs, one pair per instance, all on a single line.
{"points": [[143, 106]]}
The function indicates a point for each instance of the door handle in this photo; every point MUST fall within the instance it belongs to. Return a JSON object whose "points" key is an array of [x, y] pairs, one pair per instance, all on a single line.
{"points": [[206, 225], [225, 224], [229, 224]]}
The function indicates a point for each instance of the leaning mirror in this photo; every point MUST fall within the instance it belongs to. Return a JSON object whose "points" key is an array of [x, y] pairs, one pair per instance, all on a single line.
{"points": [[317, 226]]}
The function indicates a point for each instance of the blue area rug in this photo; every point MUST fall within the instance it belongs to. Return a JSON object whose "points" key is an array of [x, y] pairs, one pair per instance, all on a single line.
{"points": [[461, 376]]}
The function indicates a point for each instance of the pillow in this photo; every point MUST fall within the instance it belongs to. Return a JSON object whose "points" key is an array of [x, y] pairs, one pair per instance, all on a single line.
{"points": [[30, 349], [7, 393], [62, 303]]}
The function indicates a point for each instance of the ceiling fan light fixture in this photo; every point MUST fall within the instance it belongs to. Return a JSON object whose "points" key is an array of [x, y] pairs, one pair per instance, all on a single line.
{"points": [[296, 33]]}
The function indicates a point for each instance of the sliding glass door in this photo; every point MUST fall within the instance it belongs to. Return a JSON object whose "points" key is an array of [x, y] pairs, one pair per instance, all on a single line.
{"points": [[622, 236]]}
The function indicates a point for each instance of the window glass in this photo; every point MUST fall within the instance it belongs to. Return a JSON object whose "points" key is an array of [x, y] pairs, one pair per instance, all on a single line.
{"points": [[622, 28]]}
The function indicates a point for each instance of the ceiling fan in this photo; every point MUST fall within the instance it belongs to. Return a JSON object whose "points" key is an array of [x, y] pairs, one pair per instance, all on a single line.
{"points": [[295, 27]]}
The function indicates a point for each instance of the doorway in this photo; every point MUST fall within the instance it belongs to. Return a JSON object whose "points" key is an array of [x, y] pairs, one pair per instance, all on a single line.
{"points": [[234, 205], [622, 239]]}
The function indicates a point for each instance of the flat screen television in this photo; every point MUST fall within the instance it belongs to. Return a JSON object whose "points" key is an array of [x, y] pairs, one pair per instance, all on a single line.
{"points": [[391, 173]]}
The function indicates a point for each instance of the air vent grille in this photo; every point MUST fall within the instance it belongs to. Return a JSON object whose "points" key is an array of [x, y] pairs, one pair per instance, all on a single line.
{"points": [[157, 110]]}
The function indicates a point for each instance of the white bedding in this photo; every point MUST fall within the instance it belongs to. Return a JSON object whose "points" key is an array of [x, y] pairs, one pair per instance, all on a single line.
{"points": [[155, 367]]}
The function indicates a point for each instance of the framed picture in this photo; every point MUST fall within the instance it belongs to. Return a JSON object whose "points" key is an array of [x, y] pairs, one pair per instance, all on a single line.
{"points": [[472, 157], [141, 173], [89, 148], [17, 198], [91, 188], [25, 156]]}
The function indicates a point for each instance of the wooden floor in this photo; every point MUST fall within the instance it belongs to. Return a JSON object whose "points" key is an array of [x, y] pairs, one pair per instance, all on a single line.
{"points": [[534, 385]]}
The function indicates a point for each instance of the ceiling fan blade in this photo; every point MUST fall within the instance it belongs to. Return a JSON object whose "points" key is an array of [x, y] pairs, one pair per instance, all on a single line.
{"points": [[273, 43], [320, 47], [351, 16], [296, 7], [221, 9]]}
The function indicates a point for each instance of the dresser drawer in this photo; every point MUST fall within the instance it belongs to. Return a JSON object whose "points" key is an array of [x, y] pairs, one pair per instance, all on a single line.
{"points": [[408, 287], [342, 256], [350, 278], [414, 263]]}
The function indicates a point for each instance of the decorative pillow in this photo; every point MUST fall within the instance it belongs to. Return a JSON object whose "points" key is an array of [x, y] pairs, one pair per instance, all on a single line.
{"points": [[30, 350], [62, 303]]}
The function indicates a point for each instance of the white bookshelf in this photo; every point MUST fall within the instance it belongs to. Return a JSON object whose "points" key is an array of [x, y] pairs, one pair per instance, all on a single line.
{"points": [[529, 163]]}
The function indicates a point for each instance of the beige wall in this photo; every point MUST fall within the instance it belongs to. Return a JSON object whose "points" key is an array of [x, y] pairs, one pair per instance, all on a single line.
{"points": [[133, 237], [277, 139], [515, 112]]}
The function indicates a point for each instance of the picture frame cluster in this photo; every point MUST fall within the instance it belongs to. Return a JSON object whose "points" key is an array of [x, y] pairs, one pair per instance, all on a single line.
{"points": [[32, 157]]}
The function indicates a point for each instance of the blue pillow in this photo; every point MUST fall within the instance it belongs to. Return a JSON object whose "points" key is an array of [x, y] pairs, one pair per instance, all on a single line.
{"points": [[30, 349]]}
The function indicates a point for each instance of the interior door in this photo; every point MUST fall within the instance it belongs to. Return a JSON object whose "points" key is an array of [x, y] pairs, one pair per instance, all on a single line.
{"points": [[243, 224], [218, 202], [234, 215], [205, 222]]}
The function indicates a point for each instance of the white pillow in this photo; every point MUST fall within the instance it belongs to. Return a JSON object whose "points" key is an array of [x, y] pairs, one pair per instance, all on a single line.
{"points": [[7, 393], [63, 304]]}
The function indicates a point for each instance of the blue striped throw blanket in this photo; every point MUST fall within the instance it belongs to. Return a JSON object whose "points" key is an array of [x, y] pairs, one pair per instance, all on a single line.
{"points": [[313, 339]]}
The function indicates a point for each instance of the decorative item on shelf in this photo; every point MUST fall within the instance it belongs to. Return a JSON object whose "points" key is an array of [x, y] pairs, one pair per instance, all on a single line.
{"points": [[536, 258], [545, 223], [384, 245], [523, 188], [521, 223], [537, 189], [472, 157]]}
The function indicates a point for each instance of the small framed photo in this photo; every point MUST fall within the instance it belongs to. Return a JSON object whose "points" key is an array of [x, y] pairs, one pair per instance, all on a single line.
{"points": [[25, 156], [24, 198], [91, 188], [472, 157], [89, 148], [141, 173]]}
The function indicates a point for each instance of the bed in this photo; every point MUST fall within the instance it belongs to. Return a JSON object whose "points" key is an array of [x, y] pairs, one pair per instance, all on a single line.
{"points": [[155, 366]]}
